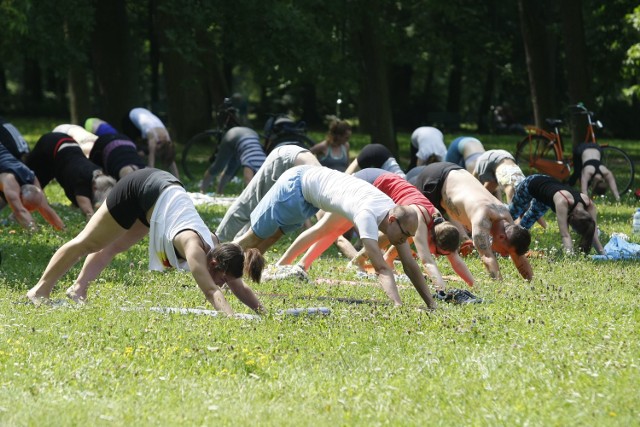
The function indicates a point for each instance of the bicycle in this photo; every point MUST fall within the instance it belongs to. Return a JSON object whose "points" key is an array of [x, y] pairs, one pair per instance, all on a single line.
{"points": [[278, 131], [542, 151], [226, 118]]}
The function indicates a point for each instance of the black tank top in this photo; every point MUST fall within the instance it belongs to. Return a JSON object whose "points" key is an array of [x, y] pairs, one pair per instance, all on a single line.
{"points": [[544, 187]]}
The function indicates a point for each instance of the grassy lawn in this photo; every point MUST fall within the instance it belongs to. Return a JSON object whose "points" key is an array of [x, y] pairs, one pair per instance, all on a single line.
{"points": [[562, 350]]}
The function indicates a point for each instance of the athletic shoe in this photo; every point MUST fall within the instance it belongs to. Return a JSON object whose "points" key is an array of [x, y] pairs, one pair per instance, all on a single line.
{"points": [[457, 296]]}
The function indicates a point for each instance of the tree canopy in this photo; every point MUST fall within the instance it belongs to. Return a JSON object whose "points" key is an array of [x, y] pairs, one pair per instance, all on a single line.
{"points": [[395, 65]]}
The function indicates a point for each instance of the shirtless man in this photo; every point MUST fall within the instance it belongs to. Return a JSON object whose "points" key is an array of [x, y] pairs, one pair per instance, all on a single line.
{"points": [[21, 191], [464, 151], [302, 190], [589, 169], [456, 192], [434, 235]]}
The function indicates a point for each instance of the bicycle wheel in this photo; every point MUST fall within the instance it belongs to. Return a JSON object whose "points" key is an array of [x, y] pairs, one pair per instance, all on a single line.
{"points": [[537, 154], [198, 152], [621, 165]]}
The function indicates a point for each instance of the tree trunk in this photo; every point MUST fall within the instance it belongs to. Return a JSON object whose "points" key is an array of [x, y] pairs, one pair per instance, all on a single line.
{"points": [[309, 105], [538, 56], [79, 104], [113, 61], [154, 55], [576, 63], [32, 94], [374, 84], [193, 87], [485, 103], [400, 82]]}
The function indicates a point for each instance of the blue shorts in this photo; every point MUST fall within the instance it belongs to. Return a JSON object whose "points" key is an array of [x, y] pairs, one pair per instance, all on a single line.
{"points": [[455, 151], [105, 129], [283, 207]]}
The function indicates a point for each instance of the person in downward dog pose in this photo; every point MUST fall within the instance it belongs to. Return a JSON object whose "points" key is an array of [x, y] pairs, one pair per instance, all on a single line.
{"points": [[539, 193], [20, 189], [302, 190], [58, 156], [240, 148], [464, 151], [375, 156], [498, 171], [455, 192], [151, 201], [141, 122], [588, 168], [427, 146], [238, 217], [434, 235]]}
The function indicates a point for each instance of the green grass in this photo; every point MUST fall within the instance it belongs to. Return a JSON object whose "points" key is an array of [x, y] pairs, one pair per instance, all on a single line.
{"points": [[562, 350]]}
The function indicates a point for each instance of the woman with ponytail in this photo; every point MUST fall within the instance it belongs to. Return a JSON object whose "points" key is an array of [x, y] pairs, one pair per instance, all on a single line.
{"points": [[154, 202]]}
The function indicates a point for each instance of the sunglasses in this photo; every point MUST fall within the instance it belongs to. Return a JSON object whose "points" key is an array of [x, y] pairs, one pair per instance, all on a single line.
{"points": [[403, 231]]}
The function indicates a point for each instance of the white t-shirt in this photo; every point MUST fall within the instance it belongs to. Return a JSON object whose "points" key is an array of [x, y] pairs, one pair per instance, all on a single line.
{"points": [[145, 120], [358, 201], [174, 212], [428, 140]]}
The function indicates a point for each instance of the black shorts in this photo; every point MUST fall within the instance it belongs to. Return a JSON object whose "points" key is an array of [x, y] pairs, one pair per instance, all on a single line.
{"points": [[431, 180], [136, 193], [373, 156]]}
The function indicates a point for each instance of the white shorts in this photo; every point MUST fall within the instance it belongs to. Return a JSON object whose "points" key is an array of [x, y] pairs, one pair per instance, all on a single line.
{"points": [[509, 175]]}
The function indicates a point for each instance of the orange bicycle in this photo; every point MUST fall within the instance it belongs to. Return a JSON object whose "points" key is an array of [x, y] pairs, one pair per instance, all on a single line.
{"points": [[542, 151]]}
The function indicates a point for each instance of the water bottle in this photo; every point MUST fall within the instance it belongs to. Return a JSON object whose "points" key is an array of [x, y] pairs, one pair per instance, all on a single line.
{"points": [[636, 222]]}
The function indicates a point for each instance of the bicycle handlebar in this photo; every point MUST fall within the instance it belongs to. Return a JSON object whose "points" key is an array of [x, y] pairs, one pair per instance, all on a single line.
{"points": [[581, 109]]}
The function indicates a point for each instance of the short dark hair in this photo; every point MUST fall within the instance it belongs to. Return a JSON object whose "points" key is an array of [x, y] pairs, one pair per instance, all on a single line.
{"points": [[447, 236], [518, 237]]}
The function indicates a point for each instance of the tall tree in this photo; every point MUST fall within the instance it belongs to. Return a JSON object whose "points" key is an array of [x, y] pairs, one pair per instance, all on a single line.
{"points": [[539, 57], [374, 84], [112, 52], [576, 64]]}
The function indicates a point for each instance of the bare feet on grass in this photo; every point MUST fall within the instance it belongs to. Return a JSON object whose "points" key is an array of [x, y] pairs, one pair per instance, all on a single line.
{"points": [[76, 294], [37, 299]]}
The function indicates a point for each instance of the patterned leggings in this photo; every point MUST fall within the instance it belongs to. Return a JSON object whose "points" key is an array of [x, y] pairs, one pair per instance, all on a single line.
{"points": [[526, 206]]}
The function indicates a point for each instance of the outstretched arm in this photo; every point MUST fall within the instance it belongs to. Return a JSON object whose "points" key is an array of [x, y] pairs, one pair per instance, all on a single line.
{"points": [[562, 213], [385, 273], [84, 203], [197, 261], [24, 218], [353, 167], [611, 180], [51, 216], [412, 269], [421, 240], [482, 241], [593, 211], [245, 294], [460, 268]]}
